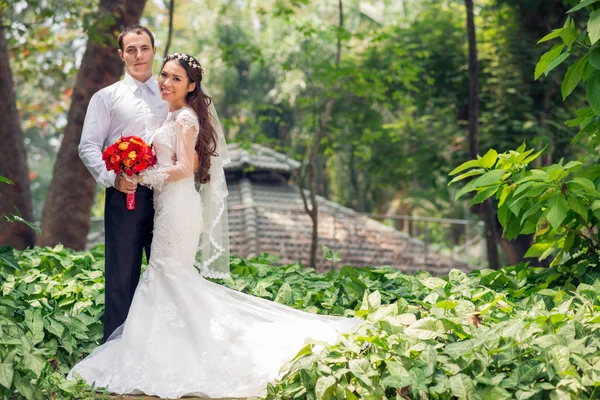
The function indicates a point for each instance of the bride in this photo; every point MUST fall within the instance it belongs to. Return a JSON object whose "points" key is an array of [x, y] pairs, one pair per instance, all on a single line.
{"points": [[185, 335]]}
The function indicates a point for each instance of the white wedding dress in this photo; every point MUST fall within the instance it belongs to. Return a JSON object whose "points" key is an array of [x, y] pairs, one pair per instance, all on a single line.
{"points": [[185, 335]]}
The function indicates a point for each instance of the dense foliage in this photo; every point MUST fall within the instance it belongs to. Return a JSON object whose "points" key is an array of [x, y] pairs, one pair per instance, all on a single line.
{"points": [[513, 333], [559, 203]]}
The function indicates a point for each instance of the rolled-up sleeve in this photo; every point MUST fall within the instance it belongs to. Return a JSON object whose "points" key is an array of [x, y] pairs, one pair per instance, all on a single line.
{"points": [[95, 132]]}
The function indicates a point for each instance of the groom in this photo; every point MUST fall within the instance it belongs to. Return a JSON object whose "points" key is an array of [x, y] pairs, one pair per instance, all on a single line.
{"points": [[132, 106]]}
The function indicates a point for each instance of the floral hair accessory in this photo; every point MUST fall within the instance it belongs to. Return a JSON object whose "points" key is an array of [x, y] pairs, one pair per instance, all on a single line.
{"points": [[191, 61]]}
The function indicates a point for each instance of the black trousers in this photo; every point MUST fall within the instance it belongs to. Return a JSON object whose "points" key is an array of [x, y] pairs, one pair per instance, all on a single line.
{"points": [[127, 234]]}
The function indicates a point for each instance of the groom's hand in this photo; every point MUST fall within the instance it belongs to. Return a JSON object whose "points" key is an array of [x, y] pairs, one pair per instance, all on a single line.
{"points": [[122, 185]]}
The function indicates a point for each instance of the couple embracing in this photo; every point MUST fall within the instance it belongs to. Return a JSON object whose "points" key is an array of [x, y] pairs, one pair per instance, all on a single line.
{"points": [[173, 333]]}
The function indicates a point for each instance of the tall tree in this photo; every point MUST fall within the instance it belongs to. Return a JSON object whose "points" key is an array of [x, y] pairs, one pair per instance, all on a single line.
{"points": [[487, 208], [66, 215], [312, 168], [13, 159]]}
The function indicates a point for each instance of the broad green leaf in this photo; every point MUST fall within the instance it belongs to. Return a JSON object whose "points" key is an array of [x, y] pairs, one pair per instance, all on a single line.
{"points": [[585, 184], [69, 386], [594, 26], [568, 35], [557, 210], [522, 186], [426, 328], [396, 368], [484, 195], [353, 290], [324, 387], [462, 386], [393, 381], [382, 312], [489, 159], [473, 172], [6, 180], [34, 322], [34, 363], [594, 57], [446, 304], [550, 340], [535, 208], [595, 206], [18, 218], [547, 58], [7, 257], [573, 165], [581, 5], [285, 295], [433, 282], [494, 393], [361, 368], [506, 190], [542, 227], [24, 387], [350, 395], [559, 356], [537, 249], [552, 35], [457, 277], [400, 320], [592, 91], [515, 206], [569, 241], [374, 299], [6, 374], [577, 205], [556, 62], [464, 166], [489, 178], [573, 76]]}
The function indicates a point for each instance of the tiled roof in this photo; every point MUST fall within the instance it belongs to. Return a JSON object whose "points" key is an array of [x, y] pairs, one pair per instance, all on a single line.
{"points": [[259, 158]]}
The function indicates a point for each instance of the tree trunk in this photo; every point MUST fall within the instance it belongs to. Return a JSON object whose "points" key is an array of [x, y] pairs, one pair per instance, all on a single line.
{"points": [[66, 215], [487, 208], [13, 160], [170, 34]]}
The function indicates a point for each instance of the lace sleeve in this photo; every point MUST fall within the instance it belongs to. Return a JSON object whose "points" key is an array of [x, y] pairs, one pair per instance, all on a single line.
{"points": [[186, 133]]}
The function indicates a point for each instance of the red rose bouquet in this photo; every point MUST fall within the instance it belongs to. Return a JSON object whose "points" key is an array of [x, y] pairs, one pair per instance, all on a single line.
{"points": [[129, 155]]}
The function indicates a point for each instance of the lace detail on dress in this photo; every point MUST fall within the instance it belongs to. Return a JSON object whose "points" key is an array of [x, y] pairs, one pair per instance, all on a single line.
{"points": [[153, 178], [223, 326], [171, 315], [186, 119]]}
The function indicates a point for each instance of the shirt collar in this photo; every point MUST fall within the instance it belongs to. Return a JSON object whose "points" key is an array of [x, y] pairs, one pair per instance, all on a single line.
{"points": [[134, 84]]}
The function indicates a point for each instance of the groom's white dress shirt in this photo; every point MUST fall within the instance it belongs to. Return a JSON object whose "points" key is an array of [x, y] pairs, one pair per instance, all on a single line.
{"points": [[125, 108]]}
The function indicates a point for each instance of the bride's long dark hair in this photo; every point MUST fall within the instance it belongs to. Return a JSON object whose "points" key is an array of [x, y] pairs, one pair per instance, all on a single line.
{"points": [[206, 144]]}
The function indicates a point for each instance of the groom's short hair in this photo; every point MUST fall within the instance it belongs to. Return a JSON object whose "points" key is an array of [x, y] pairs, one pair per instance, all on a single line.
{"points": [[138, 30]]}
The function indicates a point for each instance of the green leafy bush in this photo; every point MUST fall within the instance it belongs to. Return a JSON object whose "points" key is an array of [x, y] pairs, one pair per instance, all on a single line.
{"points": [[50, 315], [513, 333], [486, 335], [560, 203]]}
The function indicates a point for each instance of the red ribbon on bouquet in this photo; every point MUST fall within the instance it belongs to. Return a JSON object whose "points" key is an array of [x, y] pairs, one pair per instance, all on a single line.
{"points": [[129, 156]]}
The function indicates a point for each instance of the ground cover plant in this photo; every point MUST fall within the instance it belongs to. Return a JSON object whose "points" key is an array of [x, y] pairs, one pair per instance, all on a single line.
{"points": [[515, 333]]}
